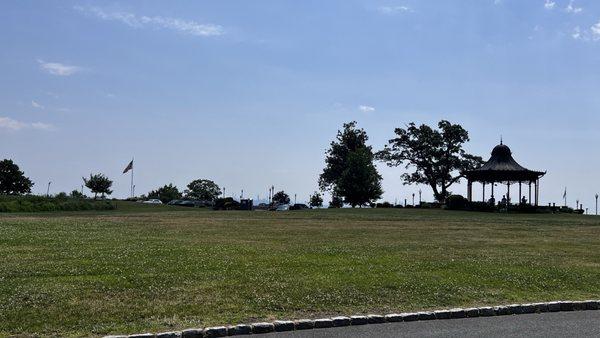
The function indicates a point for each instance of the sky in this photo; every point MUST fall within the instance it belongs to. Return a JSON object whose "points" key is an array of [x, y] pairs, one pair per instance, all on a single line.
{"points": [[251, 93]]}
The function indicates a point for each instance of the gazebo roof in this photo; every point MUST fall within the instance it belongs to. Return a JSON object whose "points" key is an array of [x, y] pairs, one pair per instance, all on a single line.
{"points": [[502, 167]]}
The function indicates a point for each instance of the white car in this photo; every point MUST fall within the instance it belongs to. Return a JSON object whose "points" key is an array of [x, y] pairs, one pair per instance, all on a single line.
{"points": [[153, 201], [283, 207]]}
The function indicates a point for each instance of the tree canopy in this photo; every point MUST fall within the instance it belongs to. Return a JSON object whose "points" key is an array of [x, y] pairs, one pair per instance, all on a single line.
{"points": [[436, 156], [336, 202], [349, 172], [281, 197], [165, 193], [12, 180], [202, 189], [316, 200], [98, 184], [359, 183]]}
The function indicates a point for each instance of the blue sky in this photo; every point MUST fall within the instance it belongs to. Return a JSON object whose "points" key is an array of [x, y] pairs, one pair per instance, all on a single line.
{"points": [[250, 93]]}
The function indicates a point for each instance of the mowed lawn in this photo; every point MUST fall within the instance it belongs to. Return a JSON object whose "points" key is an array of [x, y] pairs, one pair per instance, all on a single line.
{"points": [[153, 268]]}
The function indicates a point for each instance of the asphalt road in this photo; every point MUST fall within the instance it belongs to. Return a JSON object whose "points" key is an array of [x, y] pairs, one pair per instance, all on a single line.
{"points": [[557, 324]]}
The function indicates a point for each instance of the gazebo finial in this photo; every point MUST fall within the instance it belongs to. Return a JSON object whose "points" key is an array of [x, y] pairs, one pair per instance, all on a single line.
{"points": [[500, 138]]}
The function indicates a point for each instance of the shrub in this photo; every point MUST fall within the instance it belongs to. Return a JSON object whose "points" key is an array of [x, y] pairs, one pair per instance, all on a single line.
{"points": [[384, 205], [456, 202], [227, 203], [32, 203]]}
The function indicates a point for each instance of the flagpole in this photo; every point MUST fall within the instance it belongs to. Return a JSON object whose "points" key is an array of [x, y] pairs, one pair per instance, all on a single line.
{"points": [[132, 177]]}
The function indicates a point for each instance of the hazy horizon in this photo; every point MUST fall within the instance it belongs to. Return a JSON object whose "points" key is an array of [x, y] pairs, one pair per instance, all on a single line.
{"points": [[251, 94]]}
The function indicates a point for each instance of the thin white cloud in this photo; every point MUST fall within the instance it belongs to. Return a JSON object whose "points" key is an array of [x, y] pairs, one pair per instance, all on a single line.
{"points": [[42, 126], [497, 2], [158, 22], [390, 10], [549, 4], [14, 125], [576, 33], [36, 105], [59, 69], [366, 109], [595, 30], [571, 8], [591, 34]]}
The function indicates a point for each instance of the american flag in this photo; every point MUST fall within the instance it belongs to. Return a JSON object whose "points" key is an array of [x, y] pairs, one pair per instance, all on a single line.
{"points": [[129, 167]]}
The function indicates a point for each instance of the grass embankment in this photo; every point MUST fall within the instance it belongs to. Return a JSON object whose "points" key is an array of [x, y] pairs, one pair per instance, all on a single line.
{"points": [[149, 268], [33, 203]]}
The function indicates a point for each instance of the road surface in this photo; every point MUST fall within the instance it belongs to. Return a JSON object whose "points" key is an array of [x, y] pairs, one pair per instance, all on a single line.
{"points": [[556, 324]]}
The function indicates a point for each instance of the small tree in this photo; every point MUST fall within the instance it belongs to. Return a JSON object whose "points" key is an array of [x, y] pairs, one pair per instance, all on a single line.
{"points": [[165, 193], [316, 200], [98, 184], [336, 202], [359, 183], [205, 190], [349, 170], [437, 155], [13, 180], [281, 197]]}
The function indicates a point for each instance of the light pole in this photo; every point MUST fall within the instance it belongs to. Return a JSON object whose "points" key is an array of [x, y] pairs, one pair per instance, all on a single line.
{"points": [[413, 196], [596, 204], [419, 196], [48, 190], [294, 198]]}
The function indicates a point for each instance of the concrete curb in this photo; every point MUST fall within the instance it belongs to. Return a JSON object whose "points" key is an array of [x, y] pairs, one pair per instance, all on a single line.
{"points": [[308, 324]]}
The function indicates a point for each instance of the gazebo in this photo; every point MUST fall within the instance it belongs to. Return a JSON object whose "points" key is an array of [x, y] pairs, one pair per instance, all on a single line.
{"points": [[502, 168]]}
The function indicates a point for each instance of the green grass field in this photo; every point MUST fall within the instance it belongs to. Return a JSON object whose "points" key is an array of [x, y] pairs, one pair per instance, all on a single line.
{"points": [[151, 268]]}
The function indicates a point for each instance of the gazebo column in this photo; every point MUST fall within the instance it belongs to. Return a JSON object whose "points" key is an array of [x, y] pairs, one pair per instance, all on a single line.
{"points": [[470, 191], [507, 194], [483, 192], [492, 189], [537, 192], [529, 200], [520, 195]]}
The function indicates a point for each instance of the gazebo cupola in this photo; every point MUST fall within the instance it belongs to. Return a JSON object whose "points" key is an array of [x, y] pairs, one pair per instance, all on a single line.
{"points": [[502, 168]]}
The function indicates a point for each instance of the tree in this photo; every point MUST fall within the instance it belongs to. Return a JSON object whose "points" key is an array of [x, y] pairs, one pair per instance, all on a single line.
{"points": [[359, 183], [13, 180], [98, 184], [436, 155], [316, 200], [205, 190], [165, 193], [77, 194], [349, 171], [336, 202], [281, 197]]}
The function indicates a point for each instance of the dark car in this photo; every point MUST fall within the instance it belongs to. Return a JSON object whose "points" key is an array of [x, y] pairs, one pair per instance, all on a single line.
{"points": [[299, 206], [182, 203]]}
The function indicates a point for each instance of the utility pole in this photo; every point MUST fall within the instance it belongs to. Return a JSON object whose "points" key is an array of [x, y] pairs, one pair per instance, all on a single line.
{"points": [[413, 196], [576, 204], [294, 198], [596, 204], [224, 192], [48, 190]]}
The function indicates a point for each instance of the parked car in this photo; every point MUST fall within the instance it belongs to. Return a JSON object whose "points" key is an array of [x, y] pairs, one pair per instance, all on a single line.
{"points": [[182, 203], [299, 206], [153, 201], [283, 207]]}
